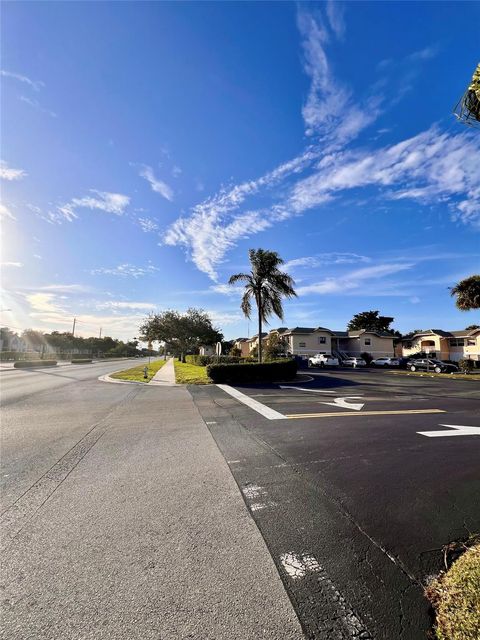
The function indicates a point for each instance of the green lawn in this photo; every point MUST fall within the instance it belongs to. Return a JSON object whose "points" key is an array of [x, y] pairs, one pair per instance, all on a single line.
{"points": [[450, 376], [136, 373], [186, 373], [455, 596]]}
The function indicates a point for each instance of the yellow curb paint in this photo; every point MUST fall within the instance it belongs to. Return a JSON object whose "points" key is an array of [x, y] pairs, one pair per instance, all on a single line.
{"points": [[342, 414]]}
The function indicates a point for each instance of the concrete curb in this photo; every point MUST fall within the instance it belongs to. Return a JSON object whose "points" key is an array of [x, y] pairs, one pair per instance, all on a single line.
{"points": [[106, 378]]}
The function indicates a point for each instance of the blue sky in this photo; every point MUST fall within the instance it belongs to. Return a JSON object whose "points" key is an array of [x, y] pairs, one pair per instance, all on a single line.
{"points": [[147, 146]]}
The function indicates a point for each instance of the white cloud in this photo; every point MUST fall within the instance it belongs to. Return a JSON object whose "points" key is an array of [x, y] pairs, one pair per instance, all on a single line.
{"points": [[102, 200], [176, 171], [33, 84], [43, 302], [325, 258], [6, 213], [354, 279], [136, 306], [126, 270], [36, 105], [221, 318], [335, 11], [159, 186], [11, 264], [148, 225], [8, 173], [227, 290]]}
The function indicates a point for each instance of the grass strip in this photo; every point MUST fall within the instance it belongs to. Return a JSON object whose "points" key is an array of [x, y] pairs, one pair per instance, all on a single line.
{"points": [[186, 373], [444, 376], [136, 373], [455, 595]]}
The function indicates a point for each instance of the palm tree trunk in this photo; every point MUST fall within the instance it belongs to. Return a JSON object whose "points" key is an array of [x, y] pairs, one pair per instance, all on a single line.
{"points": [[259, 304]]}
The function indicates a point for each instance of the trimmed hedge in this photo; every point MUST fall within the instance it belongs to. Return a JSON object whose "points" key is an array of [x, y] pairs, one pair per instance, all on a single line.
{"points": [[23, 364], [81, 361], [250, 372], [203, 361]]}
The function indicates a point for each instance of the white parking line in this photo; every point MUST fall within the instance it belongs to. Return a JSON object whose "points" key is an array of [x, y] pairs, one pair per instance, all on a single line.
{"points": [[260, 408]]}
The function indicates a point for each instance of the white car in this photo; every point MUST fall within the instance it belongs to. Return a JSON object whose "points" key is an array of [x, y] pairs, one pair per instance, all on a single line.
{"points": [[354, 362], [322, 360], [386, 362]]}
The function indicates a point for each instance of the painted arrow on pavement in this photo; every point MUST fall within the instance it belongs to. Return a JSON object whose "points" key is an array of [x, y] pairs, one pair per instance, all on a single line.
{"points": [[343, 402], [459, 430]]}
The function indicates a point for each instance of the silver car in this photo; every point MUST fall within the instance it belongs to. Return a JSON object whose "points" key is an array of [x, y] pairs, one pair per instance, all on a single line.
{"points": [[354, 362], [386, 362]]}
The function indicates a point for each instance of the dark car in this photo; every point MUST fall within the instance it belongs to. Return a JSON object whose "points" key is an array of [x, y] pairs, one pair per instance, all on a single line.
{"points": [[430, 364]]}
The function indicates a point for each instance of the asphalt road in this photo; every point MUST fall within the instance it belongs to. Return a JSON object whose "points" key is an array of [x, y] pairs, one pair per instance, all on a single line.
{"points": [[121, 520], [354, 504]]}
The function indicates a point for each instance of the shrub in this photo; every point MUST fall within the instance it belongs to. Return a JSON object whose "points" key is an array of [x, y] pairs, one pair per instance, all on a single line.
{"points": [[23, 364], [251, 372], [466, 365], [203, 361], [81, 360]]}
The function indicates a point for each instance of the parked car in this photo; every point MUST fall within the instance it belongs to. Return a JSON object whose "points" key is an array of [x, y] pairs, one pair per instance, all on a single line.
{"points": [[322, 360], [386, 362], [430, 364], [354, 362]]}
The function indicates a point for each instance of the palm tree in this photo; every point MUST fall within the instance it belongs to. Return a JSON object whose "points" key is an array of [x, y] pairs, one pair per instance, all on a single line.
{"points": [[265, 284], [468, 293]]}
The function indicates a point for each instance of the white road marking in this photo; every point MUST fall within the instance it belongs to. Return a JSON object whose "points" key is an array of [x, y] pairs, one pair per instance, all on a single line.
{"points": [[253, 491], [343, 402], [363, 414], [210, 422], [258, 506], [459, 430], [260, 408], [297, 566]]}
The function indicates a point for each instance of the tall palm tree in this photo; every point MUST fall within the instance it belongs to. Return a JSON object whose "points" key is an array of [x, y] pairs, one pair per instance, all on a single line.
{"points": [[265, 284], [468, 293]]}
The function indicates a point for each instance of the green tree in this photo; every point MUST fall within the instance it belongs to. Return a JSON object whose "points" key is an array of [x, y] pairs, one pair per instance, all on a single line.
{"points": [[471, 327], [274, 347], [371, 321], [467, 292], [181, 332], [265, 284]]}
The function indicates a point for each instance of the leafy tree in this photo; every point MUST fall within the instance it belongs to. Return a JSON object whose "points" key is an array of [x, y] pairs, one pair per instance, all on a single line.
{"points": [[274, 347], [227, 346], [235, 351], [265, 284], [471, 327], [34, 339], [467, 292], [181, 332], [371, 321]]}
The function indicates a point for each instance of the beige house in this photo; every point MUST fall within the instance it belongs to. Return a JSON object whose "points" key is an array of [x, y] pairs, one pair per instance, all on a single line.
{"points": [[444, 345], [253, 342], [207, 350], [243, 344]]}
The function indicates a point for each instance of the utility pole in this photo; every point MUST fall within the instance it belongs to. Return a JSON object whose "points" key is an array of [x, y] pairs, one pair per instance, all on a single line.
{"points": [[100, 334], [73, 328]]}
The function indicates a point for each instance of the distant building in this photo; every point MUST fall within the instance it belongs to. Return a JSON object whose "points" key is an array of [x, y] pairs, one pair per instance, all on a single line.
{"points": [[444, 345]]}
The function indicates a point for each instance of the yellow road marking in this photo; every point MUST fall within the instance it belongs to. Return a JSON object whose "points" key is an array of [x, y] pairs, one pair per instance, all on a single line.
{"points": [[363, 413]]}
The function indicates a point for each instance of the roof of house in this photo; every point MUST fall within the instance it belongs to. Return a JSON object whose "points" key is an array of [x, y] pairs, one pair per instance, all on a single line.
{"points": [[301, 330], [340, 334], [443, 334], [241, 340], [359, 332]]}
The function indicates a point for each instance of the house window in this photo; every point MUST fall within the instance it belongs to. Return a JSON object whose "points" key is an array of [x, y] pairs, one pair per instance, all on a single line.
{"points": [[322, 340], [471, 342], [368, 342], [302, 344], [457, 342]]}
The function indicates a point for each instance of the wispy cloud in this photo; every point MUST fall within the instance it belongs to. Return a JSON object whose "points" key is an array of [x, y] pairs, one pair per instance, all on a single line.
{"points": [[11, 264], [176, 171], [325, 259], [336, 19], [36, 105], [126, 270], [6, 213], [33, 84], [9, 173], [157, 185], [101, 200], [122, 305], [354, 279], [43, 302], [148, 225]]}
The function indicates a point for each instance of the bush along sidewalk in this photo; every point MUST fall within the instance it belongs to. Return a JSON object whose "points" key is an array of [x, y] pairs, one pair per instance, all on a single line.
{"points": [[26, 364], [455, 596], [275, 371]]}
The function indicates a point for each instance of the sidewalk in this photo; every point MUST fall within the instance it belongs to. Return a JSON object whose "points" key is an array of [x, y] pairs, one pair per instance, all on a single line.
{"points": [[166, 374], [146, 536]]}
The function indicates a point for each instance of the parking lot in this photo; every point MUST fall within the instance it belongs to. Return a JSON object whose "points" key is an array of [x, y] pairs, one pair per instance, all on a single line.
{"points": [[357, 479]]}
